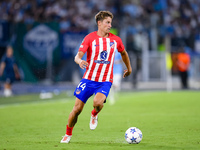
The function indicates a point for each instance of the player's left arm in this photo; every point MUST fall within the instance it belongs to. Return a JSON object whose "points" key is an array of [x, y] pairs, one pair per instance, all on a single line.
{"points": [[16, 71], [126, 61], [2, 67]]}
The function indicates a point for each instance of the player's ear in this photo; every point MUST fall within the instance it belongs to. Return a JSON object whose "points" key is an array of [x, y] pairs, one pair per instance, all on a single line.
{"points": [[98, 22]]}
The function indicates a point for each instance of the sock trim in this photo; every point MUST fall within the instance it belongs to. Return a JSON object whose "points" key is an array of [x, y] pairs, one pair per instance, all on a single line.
{"points": [[69, 130]]}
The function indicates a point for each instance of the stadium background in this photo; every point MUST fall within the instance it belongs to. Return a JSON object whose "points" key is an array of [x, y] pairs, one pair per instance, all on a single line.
{"points": [[150, 29], [46, 34]]}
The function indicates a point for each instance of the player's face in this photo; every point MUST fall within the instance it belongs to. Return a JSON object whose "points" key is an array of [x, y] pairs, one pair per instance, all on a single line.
{"points": [[9, 52], [105, 25]]}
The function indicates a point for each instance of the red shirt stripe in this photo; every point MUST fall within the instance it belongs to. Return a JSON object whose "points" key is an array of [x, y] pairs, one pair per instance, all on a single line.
{"points": [[100, 56]]}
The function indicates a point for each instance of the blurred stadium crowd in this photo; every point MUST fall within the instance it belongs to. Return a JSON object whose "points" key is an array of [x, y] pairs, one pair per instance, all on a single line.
{"points": [[23, 21], [179, 18]]}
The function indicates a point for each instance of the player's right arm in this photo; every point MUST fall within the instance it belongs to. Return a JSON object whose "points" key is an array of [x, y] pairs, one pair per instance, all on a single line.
{"points": [[16, 70], [2, 66], [82, 50], [78, 59]]}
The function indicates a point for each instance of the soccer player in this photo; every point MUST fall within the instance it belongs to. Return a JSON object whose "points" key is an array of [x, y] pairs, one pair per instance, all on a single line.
{"points": [[100, 46], [117, 77], [9, 71]]}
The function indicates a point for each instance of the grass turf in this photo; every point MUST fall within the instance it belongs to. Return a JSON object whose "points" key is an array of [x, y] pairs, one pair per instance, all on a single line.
{"points": [[169, 121]]}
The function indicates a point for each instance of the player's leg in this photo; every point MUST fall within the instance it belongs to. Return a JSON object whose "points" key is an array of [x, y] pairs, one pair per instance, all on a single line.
{"points": [[98, 101], [111, 97], [7, 88], [98, 104], [185, 79], [116, 87], [101, 93], [118, 79], [182, 79], [77, 109], [73, 117]]}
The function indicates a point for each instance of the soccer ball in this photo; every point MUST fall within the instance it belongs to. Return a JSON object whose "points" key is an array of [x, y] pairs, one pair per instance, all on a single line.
{"points": [[133, 135]]}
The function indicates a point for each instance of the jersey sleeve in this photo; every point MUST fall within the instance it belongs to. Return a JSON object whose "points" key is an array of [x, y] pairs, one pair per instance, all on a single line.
{"points": [[14, 61], [84, 45], [120, 45]]}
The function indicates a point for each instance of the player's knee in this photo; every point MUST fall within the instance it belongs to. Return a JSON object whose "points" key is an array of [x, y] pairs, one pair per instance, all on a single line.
{"points": [[77, 110], [97, 103]]}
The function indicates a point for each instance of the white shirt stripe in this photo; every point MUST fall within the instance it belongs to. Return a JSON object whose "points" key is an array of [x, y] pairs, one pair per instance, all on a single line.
{"points": [[112, 60], [104, 66], [99, 58], [91, 61]]}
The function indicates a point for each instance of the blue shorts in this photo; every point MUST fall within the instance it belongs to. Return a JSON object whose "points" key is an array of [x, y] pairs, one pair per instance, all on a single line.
{"points": [[8, 79], [87, 88]]}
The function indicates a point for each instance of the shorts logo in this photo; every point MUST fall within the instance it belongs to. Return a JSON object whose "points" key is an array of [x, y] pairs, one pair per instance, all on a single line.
{"points": [[104, 91], [78, 91]]}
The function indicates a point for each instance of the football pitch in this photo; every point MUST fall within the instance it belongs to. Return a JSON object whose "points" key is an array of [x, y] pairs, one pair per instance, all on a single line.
{"points": [[168, 121]]}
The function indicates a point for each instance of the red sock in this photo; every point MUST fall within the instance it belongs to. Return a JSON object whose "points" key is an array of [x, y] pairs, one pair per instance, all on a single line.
{"points": [[69, 130], [94, 112]]}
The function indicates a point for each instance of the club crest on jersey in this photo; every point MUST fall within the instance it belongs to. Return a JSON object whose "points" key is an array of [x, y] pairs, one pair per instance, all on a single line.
{"points": [[78, 91], [112, 45]]}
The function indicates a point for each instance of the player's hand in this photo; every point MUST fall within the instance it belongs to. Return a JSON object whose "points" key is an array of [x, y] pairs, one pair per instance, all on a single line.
{"points": [[126, 73], [17, 76], [83, 64]]}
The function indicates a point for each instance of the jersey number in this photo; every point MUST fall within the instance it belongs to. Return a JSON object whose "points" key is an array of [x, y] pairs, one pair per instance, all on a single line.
{"points": [[82, 85]]}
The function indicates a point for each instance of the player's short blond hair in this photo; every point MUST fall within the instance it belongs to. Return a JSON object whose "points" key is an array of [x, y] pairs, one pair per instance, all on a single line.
{"points": [[102, 15]]}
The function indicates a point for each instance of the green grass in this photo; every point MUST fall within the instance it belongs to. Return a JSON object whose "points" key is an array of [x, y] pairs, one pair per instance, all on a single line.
{"points": [[169, 121]]}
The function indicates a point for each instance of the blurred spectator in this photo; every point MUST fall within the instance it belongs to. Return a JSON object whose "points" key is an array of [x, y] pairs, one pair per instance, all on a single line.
{"points": [[9, 71], [117, 72], [183, 63], [173, 16], [117, 77], [179, 18]]}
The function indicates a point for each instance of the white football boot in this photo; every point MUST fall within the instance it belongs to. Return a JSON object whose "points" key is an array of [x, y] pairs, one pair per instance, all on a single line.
{"points": [[93, 122], [7, 93], [66, 139]]}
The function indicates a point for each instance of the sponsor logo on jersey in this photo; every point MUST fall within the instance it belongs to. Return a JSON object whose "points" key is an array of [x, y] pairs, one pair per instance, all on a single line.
{"points": [[103, 57], [102, 62]]}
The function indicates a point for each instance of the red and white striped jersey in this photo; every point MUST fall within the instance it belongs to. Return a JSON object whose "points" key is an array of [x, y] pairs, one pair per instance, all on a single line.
{"points": [[100, 56]]}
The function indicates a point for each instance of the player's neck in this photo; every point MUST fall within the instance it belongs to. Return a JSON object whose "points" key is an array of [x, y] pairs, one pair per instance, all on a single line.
{"points": [[102, 34]]}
